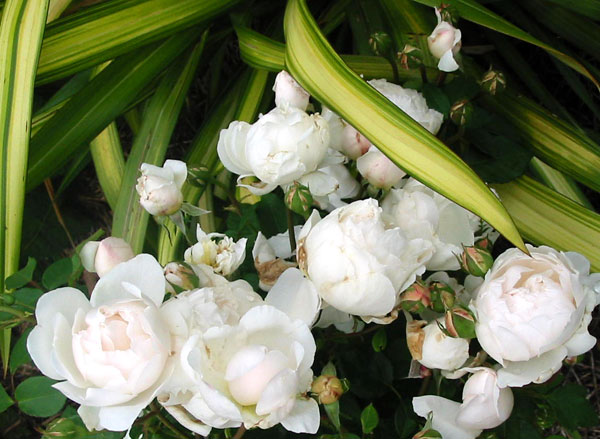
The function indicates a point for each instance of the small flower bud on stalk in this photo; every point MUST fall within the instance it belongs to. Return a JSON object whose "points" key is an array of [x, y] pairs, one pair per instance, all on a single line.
{"points": [[328, 388], [416, 298], [461, 112], [424, 372], [476, 261], [298, 199], [493, 82], [410, 57], [430, 433], [484, 244], [380, 43], [101, 256], [442, 296], [460, 322]]}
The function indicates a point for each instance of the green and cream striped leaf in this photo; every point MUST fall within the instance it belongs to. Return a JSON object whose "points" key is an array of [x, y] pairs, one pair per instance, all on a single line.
{"points": [[322, 73], [546, 217], [130, 220], [89, 111], [112, 28], [472, 11], [109, 163]]}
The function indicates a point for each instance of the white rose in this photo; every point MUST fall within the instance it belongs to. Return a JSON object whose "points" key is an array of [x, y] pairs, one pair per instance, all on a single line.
{"points": [[356, 264], [270, 257], [423, 213], [279, 148], [288, 93], [224, 256], [160, 188], [344, 137], [254, 372], [101, 256], [444, 43], [532, 312], [331, 184], [484, 405], [434, 349], [379, 170], [110, 353]]}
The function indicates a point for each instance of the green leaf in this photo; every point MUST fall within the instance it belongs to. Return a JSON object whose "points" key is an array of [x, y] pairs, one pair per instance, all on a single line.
{"points": [[472, 11], [369, 419], [589, 8], [333, 413], [436, 99], [545, 217], [88, 112], [572, 408], [57, 274], [558, 182], [130, 220], [192, 210], [329, 369], [23, 276], [21, 30], [19, 354], [315, 65], [37, 397], [379, 340], [5, 400], [109, 163], [110, 29]]}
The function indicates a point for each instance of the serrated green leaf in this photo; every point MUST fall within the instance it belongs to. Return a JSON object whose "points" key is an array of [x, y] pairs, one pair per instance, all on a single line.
{"points": [[369, 419], [57, 274], [472, 11], [5, 400], [572, 407], [546, 217], [19, 354], [436, 99], [333, 413], [23, 276], [315, 65], [379, 340], [37, 397]]}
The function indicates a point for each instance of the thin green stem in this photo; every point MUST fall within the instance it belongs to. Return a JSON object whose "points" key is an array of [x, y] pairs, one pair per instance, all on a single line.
{"points": [[170, 426], [291, 233]]}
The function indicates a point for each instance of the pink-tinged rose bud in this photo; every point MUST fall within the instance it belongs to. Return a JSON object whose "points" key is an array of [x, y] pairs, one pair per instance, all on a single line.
{"points": [[484, 244], [460, 322], [415, 298], [288, 93], [354, 144], [328, 388], [476, 261], [442, 296], [101, 256], [160, 187], [444, 43], [379, 170]]}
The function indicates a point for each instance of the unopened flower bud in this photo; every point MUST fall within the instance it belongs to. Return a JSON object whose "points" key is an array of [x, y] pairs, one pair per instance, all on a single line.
{"points": [[288, 93], [444, 43], [415, 298], [442, 296], [180, 275], [379, 170], [424, 372], [160, 187], [353, 143], [380, 43], [493, 82], [328, 388], [101, 256], [461, 112], [298, 199], [476, 261], [430, 433], [460, 322], [484, 244], [410, 57]]}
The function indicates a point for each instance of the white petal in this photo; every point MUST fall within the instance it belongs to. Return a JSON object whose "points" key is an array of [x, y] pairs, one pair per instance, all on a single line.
{"points": [[295, 295], [536, 370], [39, 346], [184, 418], [304, 417], [143, 271], [444, 416], [179, 170], [88, 255], [447, 62], [231, 147], [65, 301], [280, 389]]}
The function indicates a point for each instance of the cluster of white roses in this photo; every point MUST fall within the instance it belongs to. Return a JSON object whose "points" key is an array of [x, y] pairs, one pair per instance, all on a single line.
{"points": [[216, 354]]}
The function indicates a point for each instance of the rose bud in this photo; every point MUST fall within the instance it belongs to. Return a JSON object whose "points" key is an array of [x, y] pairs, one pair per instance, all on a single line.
{"points": [[430, 433], [460, 322], [288, 93], [442, 296], [415, 298], [380, 43], [444, 43], [476, 261], [424, 372], [160, 188], [379, 170], [461, 112], [328, 388], [101, 256], [434, 349], [410, 57], [493, 82], [181, 276], [298, 199], [484, 244]]}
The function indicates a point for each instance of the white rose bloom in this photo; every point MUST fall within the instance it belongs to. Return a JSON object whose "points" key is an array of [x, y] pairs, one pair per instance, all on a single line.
{"points": [[330, 184], [423, 213], [109, 353], [380, 171], [279, 148], [344, 137], [357, 265], [224, 256], [485, 405], [102, 256], [444, 43], [532, 312], [434, 349], [160, 188], [288, 93], [253, 372], [270, 257]]}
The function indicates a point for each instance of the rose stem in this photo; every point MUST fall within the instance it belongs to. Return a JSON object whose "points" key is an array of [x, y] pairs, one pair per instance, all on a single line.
{"points": [[291, 234]]}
